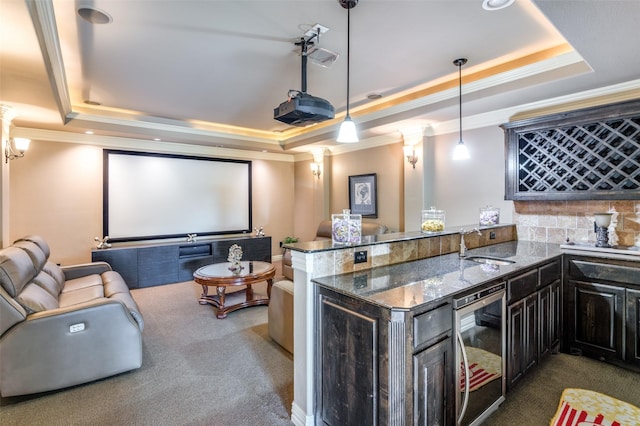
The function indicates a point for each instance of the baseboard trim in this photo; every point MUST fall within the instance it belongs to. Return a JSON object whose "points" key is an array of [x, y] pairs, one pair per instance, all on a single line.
{"points": [[299, 417]]}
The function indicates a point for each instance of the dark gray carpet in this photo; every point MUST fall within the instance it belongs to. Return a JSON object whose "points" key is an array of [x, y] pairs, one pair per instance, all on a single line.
{"points": [[196, 370], [535, 400]]}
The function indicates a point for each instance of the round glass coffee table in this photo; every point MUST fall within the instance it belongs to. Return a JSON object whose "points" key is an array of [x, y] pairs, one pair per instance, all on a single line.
{"points": [[219, 276]]}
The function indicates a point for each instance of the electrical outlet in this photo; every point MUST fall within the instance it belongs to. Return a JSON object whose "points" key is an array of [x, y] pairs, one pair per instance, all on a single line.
{"points": [[74, 328], [360, 257], [492, 235]]}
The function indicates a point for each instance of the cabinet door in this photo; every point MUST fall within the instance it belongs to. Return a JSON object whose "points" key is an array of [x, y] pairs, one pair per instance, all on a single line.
{"points": [[596, 313], [515, 342], [522, 338], [122, 260], [258, 248], [433, 400], [633, 327], [549, 314], [348, 346], [530, 341], [157, 265]]}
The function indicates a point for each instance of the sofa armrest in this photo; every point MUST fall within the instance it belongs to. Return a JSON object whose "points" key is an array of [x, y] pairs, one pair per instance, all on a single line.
{"points": [[67, 346], [76, 271]]}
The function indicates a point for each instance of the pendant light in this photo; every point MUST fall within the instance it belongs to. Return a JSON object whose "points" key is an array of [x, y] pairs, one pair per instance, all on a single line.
{"points": [[347, 132], [461, 152]]}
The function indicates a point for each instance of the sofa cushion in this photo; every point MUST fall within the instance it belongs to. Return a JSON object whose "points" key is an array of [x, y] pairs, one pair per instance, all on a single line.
{"points": [[16, 270], [56, 273], [82, 282], [34, 298], [39, 241], [37, 256], [113, 284], [47, 282], [80, 296]]}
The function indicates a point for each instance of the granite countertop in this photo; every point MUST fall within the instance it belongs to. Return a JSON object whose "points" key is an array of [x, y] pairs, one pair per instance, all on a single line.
{"points": [[411, 284], [367, 240]]}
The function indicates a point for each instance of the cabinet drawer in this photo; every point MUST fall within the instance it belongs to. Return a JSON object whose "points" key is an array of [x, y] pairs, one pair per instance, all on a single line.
{"points": [[521, 286], [431, 324], [549, 273], [600, 271]]}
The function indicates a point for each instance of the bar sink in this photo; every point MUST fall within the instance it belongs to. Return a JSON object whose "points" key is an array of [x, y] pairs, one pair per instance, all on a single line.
{"points": [[490, 260]]}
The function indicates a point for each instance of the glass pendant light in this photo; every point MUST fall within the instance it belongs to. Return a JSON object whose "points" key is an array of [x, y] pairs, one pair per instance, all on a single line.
{"points": [[460, 152], [347, 132]]}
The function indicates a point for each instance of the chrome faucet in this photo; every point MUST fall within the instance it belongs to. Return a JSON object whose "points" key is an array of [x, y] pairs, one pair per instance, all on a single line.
{"points": [[463, 232]]}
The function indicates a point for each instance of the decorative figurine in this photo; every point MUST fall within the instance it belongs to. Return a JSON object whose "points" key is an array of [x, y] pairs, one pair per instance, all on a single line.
{"points": [[259, 231], [102, 243], [235, 255], [601, 228], [191, 238]]}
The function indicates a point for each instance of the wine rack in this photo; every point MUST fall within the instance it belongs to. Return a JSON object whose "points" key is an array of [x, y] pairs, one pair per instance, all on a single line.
{"points": [[586, 154]]}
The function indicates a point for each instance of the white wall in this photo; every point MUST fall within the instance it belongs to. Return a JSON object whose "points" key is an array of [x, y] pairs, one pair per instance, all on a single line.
{"points": [[462, 187]]}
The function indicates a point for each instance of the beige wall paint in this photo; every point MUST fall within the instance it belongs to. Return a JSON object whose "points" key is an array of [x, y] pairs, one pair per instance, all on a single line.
{"points": [[56, 191], [387, 162], [310, 195], [462, 187]]}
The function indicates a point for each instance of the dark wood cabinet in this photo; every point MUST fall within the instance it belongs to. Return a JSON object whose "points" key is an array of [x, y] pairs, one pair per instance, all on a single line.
{"points": [[522, 338], [633, 327], [550, 314], [601, 305], [596, 323], [378, 365], [157, 264], [349, 393], [432, 399], [533, 318]]}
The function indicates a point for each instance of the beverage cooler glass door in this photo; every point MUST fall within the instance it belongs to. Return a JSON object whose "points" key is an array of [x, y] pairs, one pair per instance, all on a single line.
{"points": [[480, 355]]}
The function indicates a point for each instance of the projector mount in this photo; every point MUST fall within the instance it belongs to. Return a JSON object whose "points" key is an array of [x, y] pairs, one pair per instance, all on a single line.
{"points": [[304, 45]]}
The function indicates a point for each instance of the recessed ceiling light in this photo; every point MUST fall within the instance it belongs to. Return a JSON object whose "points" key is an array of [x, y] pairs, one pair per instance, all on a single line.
{"points": [[496, 4], [89, 132], [374, 96], [94, 16]]}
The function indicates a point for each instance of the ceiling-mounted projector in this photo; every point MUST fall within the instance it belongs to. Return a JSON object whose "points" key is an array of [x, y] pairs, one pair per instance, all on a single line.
{"points": [[302, 109]]}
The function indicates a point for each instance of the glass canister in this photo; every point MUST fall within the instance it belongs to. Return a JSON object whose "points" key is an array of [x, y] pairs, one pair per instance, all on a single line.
{"points": [[489, 216], [346, 227], [432, 220]]}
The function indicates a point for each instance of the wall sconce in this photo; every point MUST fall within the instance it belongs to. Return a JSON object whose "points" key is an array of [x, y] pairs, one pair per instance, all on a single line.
{"points": [[410, 153], [21, 145], [315, 169]]}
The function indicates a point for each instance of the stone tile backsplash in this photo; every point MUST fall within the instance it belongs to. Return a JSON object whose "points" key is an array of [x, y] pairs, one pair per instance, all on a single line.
{"points": [[555, 221]]}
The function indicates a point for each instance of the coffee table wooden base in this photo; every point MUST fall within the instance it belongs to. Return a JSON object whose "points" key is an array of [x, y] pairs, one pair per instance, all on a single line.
{"points": [[218, 300], [219, 277]]}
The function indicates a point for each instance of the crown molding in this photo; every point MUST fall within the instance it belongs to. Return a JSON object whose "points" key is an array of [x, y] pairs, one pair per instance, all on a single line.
{"points": [[604, 95], [147, 146], [44, 24]]}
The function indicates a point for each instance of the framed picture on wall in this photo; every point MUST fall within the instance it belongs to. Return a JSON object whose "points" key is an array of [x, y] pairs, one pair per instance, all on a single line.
{"points": [[363, 195]]}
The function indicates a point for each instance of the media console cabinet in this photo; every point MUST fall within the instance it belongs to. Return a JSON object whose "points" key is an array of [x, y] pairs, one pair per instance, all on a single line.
{"points": [[147, 265]]}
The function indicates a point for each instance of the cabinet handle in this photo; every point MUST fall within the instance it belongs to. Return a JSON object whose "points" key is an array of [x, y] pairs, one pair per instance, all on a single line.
{"points": [[466, 377]]}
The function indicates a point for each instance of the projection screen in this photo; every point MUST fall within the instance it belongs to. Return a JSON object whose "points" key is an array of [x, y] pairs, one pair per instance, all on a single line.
{"points": [[153, 196]]}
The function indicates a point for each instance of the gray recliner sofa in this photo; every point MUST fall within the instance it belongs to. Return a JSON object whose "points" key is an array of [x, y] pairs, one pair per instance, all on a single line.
{"points": [[62, 326]]}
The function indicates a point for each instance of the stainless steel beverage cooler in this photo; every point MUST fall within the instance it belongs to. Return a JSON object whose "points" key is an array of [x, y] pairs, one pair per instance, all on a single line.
{"points": [[480, 327]]}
